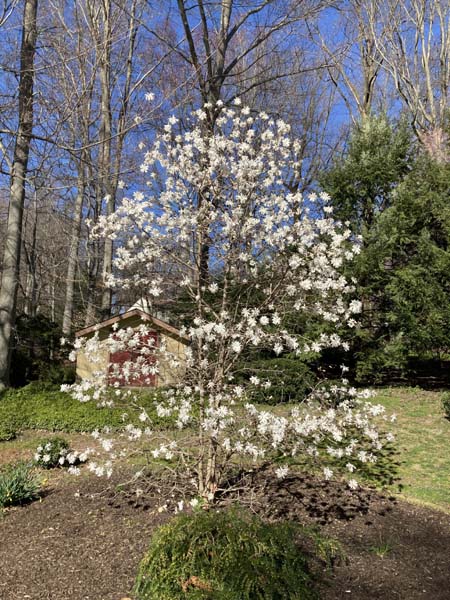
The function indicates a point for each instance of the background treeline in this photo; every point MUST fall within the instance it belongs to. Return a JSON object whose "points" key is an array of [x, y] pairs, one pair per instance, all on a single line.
{"points": [[84, 86]]}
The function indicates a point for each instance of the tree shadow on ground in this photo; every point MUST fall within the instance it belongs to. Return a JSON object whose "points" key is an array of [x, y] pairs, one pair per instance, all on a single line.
{"points": [[298, 496]]}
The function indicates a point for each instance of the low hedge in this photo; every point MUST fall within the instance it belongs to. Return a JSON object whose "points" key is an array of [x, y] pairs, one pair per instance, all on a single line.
{"points": [[291, 380]]}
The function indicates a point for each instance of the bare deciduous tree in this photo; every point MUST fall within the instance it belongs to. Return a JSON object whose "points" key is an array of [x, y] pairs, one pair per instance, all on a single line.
{"points": [[415, 50], [6, 9], [11, 259], [348, 43], [227, 45]]}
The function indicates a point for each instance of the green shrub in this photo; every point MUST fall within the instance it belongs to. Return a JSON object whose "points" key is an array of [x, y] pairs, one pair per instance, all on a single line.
{"points": [[55, 452], [51, 452], [36, 353], [224, 556], [446, 404], [60, 373], [291, 380], [18, 484]]}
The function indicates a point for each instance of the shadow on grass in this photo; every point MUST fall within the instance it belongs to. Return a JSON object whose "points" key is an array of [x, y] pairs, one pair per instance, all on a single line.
{"points": [[385, 472]]}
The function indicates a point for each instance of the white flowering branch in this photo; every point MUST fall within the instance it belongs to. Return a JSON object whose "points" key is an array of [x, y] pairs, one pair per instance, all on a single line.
{"points": [[223, 237]]}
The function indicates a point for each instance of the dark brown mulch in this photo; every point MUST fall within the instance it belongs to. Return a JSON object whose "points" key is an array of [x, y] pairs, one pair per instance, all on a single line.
{"points": [[416, 564], [393, 549], [88, 546], [72, 545]]}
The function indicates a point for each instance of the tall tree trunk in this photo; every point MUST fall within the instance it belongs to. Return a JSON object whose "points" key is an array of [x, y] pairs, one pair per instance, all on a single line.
{"points": [[11, 259], [94, 250], [93, 268], [73, 250], [111, 179], [121, 131], [106, 183], [30, 307]]}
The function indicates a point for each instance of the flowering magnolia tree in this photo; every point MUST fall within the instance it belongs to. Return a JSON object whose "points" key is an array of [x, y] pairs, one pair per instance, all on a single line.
{"points": [[218, 231]]}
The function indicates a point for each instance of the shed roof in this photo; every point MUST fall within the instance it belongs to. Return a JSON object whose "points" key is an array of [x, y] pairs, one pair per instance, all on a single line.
{"points": [[135, 312]]}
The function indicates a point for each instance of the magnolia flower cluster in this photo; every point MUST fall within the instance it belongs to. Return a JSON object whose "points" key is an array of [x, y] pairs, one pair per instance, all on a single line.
{"points": [[226, 190], [344, 435], [49, 455], [219, 232]]}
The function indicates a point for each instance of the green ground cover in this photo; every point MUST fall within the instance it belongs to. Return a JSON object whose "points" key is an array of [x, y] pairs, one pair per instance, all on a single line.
{"points": [[423, 444], [43, 407]]}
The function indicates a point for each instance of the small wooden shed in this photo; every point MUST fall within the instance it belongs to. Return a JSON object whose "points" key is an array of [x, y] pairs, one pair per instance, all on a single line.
{"points": [[160, 331]]}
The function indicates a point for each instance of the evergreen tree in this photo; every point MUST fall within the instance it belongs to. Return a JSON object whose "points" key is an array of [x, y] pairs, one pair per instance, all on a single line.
{"points": [[405, 266], [361, 184], [363, 187]]}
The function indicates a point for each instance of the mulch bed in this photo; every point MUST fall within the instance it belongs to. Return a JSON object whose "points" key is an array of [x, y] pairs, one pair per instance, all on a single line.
{"points": [[82, 543], [393, 549]]}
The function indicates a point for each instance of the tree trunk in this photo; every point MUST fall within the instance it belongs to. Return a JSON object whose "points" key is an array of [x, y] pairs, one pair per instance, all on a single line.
{"points": [[105, 149], [91, 315], [11, 260], [31, 295], [121, 130], [73, 251]]}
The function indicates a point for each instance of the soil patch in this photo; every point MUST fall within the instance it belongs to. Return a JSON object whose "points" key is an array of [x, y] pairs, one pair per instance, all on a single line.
{"points": [[72, 545], [82, 542], [393, 549]]}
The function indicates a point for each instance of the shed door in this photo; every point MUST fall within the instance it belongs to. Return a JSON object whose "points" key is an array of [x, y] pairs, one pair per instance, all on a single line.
{"points": [[137, 378]]}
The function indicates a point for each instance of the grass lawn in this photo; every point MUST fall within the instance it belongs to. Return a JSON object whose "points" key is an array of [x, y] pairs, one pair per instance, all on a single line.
{"points": [[422, 433], [423, 441]]}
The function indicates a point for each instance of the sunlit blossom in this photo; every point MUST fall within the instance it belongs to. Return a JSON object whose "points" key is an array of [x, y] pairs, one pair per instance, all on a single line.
{"points": [[223, 234]]}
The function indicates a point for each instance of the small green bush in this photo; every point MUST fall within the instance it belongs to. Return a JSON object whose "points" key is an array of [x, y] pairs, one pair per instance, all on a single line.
{"points": [[36, 353], [224, 556], [60, 374], [446, 404], [55, 452], [291, 380], [18, 484], [51, 452]]}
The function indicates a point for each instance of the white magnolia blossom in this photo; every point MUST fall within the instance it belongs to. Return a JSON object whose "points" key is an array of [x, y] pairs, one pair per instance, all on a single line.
{"points": [[223, 231], [328, 473], [281, 472]]}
